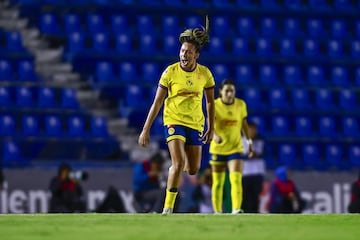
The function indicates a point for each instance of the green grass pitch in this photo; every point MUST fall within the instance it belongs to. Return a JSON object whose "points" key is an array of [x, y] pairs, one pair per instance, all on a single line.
{"points": [[93, 226]]}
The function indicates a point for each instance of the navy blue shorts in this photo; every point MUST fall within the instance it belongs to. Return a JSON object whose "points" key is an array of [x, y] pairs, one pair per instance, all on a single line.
{"points": [[188, 135], [221, 159]]}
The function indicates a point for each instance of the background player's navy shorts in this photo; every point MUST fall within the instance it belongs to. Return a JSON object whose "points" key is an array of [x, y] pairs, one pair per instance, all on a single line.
{"points": [[215, 158], [188, 135]]}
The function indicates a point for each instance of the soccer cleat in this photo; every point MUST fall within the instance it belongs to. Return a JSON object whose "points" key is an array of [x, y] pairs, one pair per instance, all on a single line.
{"points": [[237, 211], [167, 211]]}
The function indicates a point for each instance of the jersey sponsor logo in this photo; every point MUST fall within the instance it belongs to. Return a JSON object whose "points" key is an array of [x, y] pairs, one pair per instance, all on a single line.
{"points": [[185, 93], [228, 122]]}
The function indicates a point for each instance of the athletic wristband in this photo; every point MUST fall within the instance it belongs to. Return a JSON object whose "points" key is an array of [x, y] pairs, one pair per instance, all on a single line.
{"points": [[249, 141]]}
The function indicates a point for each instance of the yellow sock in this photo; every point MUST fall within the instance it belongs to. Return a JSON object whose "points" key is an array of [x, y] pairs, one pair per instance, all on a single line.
{"points": [[236, 190], [218, 180], [170, 199]]}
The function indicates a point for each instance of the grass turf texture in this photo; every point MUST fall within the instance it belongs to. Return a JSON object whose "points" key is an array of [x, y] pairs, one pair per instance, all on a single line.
{"points": [[179, 226]]}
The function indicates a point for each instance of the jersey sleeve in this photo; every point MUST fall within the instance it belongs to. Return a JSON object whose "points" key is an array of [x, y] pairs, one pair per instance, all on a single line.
{"points": [[210, 82], [164, 79]]}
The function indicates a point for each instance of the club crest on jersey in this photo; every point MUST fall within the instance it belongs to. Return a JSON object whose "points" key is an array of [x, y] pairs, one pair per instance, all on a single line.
{"points": [[171, 130], [189, 82]]}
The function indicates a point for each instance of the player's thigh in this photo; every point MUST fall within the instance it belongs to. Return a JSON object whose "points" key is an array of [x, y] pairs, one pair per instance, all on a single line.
{"points": [[218, 167], [177, 152], [193, 156], [236, 165]]}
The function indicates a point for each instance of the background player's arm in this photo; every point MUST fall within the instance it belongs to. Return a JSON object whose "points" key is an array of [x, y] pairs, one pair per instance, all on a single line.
{"points": [[210, 107], [144, 137], [245, 130]]}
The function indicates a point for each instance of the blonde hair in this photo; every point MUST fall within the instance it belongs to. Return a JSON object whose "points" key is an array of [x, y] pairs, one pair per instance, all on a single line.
{"points": [[196, 35]]}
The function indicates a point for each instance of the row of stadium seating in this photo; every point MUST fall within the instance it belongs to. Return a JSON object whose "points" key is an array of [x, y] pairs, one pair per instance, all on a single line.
{"points": [[24, 72]]}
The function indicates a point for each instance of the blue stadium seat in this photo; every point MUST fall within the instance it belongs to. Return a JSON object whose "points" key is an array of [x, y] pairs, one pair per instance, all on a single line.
{"points": [[221, 26], [355, 49], [144, 24], [134, 96], [292, 75], [311, 48], [292, 27], [350, 127], [315, 28], [24, 97], [197, 4], [53, 126], [95, 23], [240, 46], [268, 26], [76, 126], [244, 74], [260, 123], [98, 127], [253, 98], [14, 41], [335, 49], [334, 155], [354, 155], [193, 21], [279, 126], [269, 4], [220, 72], [157, 128], [26, 71], [324, 99], [264, 47], [76, 41], [293, 4], [318, 4], [339, 29], [11, 154], [104, 72], [268, 74], [245, 26], [347, 100], [5, 100], [68, 98], [100, 42], [356, 80], [216, 45], [128, 72], [7, 125], [327, 127], [177, 3], [339, 76], [119, 24], [303, 127], [170, 44], [287, 154], [123, 43], [72, 23], [278, 98], [29, 126], [287, 48], [49, 23], [245, 4], [343, 4], [357, 30], [150, 72], [147, 43], [301, 99], [5, 71], [311, 156], [46, 97], [315, 75], [170, 24]]}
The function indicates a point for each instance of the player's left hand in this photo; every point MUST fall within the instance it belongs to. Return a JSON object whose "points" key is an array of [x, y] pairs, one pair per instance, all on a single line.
{"points": [[251, 151]]}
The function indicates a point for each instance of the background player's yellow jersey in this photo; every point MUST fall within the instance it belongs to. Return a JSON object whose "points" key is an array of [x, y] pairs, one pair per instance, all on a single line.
{"points": [[183, 105], [228, 125]]}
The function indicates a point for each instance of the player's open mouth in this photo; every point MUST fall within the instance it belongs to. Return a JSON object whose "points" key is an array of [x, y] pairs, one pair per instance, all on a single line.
{"points": [[184, 62]]}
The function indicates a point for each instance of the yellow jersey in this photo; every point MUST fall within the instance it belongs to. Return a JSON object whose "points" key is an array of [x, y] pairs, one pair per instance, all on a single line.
{"points": [[183, 104], [228, 125]]}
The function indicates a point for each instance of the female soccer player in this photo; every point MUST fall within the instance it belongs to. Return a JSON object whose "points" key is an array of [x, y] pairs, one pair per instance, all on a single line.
{"points": [[226, 147], [184, 83]]}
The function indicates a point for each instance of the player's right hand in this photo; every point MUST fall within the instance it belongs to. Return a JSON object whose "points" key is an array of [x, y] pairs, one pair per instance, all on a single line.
{"points": [[144, 138], [217, 139]]}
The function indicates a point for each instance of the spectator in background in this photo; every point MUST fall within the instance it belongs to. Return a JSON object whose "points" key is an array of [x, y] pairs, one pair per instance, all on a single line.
{"points": [[285, 197], [202, 193], [253, 172], [66, 192], [354, 206], [146, 183]]}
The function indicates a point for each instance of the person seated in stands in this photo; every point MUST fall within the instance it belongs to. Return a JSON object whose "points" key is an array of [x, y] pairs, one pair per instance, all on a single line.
{"points": [[354, 206]]}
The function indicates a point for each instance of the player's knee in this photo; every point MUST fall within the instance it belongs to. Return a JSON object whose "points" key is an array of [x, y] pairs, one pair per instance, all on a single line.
{"points": [[177, 167], [192, 171]]}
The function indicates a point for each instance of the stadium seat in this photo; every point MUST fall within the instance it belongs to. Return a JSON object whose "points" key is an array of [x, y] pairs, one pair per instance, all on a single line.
{"points": [[244, 74], [253, 98], [95, 23], [5, 71], [292, 75], [7, 125], [357, 29], [260, 123], [264, 47], [324, 99], [338, 29], [311, 156], [221, 26], [334, 155], [335, 49], [287, 48], [176, 3], [240, 46], [245, 26], [327, 127], [303, 127], [216, 46], [288, 155], [72, 23], [170, 24], [69, 98], [29, 126], [76, 41], [128, 72], [14, 41], [123, 43], [292, 27], [350, 127], [269, 4], [268, 75], [193, 21], [318, 4], [147, 43], [315, 75], [53, 126], [354, 155], [76, 126], [311, 48], [347, 100], [300, 99], [244, 4], [134, 96], [280, 126], [355, 49], [100, 42], [24, 97], [49, 23], [144, 24], [158, 127], [170, 44], [268, 27], [46, 97], [343, 4], [119, 24], [315, 28], [104, 72], [5, 100], [339, 76], [278, 98], [98, 127], [293, 4], [220, 72], [26, 71], [150, 72], [11, 154]]}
